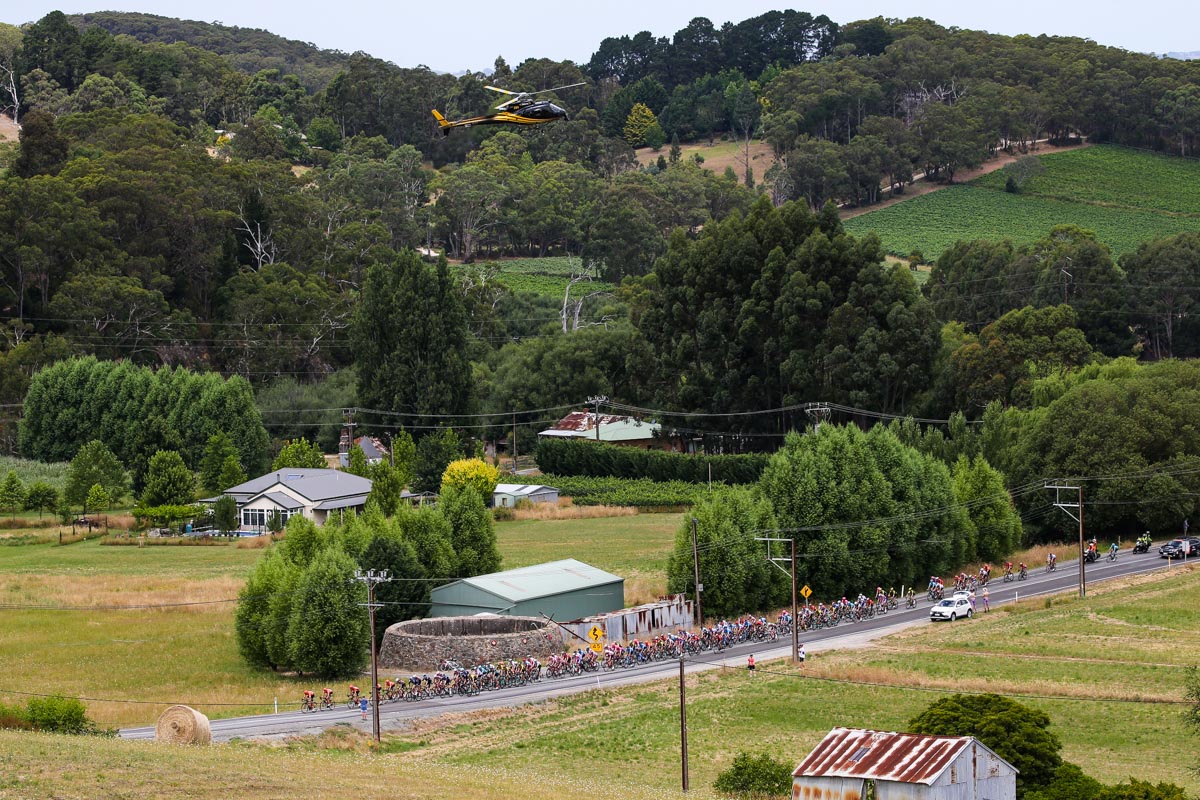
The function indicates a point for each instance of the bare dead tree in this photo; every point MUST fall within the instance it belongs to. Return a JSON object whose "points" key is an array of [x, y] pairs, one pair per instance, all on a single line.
{"points": [[258, 240], [572, 309]]}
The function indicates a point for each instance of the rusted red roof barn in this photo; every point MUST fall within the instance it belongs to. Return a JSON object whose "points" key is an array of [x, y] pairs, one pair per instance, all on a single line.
{"points": [[902, 766]]}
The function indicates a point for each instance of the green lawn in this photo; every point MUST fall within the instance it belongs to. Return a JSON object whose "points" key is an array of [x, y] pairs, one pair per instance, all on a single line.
{"points": [[545, 276], [1125, 196], [634, 547], [91, 559]]}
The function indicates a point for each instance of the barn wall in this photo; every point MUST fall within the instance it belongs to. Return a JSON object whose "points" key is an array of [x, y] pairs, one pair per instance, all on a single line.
{"points": [[827, 789]]}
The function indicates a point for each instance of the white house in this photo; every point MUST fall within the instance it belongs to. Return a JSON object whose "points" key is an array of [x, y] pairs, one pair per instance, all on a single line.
{"points": [[850, 762], [314, 493], [506, 495]]}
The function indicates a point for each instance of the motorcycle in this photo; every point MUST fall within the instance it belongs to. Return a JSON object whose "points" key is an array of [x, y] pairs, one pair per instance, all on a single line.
{"points": [[1142, 546], [1091, 556]]}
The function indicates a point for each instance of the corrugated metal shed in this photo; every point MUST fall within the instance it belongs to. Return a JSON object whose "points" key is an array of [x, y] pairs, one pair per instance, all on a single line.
{"points": [[902, 766], [613, 428], [566, 589], [904, 757], [507, 494]]}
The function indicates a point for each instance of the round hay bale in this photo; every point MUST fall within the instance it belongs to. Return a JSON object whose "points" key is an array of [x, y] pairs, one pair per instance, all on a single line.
{"points": [[183, 725]]}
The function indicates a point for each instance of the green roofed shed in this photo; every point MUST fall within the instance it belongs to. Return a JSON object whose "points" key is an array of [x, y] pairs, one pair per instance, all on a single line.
{"points": [[565, 590]]}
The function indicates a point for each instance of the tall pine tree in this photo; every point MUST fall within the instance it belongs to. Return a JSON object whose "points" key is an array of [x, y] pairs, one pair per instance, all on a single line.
{"points": [[410, 336]]}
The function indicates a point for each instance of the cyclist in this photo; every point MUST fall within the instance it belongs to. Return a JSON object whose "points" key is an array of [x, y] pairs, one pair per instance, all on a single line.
{"points": [[308, 703], [327, 698], [1051, 561], [1008, 569], [1112, 550], [354, 695], [1023, 570]]}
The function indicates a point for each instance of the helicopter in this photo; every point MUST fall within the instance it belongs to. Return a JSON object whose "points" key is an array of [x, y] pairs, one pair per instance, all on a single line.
{"points": [[520, 109]]}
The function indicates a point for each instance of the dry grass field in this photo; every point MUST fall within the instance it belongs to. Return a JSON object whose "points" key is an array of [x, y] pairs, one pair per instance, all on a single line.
{"points": [[718, 156]]}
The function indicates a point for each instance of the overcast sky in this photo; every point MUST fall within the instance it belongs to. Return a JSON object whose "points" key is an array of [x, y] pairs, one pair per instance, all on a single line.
{"points": [[454, 35]]}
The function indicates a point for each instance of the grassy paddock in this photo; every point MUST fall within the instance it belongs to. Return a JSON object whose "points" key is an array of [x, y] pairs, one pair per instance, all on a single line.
{"points": [[635, 547], [1075, 659]]}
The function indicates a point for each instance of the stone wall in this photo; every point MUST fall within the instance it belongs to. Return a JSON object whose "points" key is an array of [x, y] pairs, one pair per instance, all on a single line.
{"points": [[421, 644]]}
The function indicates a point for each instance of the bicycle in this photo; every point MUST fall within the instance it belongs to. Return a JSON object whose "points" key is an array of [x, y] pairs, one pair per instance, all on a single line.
{"points": [[308, 702], [353, 697]]}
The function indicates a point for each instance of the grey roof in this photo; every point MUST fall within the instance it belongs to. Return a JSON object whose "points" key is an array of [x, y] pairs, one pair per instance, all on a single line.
{"points": [[283, 500], [521, 489], [341, 502], [541, 580], [314, 484]]}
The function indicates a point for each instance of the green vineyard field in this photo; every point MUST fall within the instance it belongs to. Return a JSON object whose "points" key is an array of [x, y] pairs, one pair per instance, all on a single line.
{"points": [[544, 276], [1114, 176], [1125, 196]]}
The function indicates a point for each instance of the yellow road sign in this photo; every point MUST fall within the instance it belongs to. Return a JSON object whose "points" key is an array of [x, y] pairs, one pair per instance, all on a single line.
{"points": [[807, 592], [596, 634], [597, 647]]}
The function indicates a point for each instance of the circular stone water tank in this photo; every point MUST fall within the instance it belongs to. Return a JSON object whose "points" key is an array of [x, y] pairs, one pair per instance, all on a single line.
{"points": [[421, 644]]}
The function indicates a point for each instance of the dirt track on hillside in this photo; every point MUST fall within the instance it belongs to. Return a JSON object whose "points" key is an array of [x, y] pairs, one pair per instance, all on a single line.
{"points": [[922, 186]]}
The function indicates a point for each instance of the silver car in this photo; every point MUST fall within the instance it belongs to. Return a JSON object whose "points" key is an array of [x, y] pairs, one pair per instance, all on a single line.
{"points": [[952, 608]]}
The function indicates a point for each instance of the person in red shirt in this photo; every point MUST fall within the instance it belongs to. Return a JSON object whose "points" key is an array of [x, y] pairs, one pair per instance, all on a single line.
{"points": [[750, 664]]}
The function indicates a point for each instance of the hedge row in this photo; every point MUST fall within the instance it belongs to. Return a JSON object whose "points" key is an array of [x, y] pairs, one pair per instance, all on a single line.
{"points": [[595, 459], [642, 493]]}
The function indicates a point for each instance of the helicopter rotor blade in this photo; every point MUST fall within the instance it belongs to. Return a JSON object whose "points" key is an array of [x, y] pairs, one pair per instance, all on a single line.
{"points": [[502, 91], [556, 88]]}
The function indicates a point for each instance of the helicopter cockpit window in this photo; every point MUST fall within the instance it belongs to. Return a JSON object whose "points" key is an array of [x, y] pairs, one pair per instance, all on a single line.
{"points": [[548, 111]]}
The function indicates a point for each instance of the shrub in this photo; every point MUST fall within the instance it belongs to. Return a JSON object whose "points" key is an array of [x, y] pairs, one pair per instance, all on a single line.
{"points": [[755, 776], [13, 717], [473, 472], [58, 715]]}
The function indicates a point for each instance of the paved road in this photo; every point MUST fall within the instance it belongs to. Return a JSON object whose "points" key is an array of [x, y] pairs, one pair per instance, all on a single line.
{"points": [[396, 715]]}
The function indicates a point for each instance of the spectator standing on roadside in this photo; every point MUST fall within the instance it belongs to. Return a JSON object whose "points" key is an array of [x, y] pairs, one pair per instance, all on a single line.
{"points": [[986, 605], [801, 655], [750, 663], [971, 597]]}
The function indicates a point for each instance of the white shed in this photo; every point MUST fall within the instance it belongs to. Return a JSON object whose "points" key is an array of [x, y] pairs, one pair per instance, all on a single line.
{"points": [[506, 495], [902, 766]]}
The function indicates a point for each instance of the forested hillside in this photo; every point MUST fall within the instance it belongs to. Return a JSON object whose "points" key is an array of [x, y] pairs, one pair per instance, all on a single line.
{"points": [[187, 194], [248, 49]]}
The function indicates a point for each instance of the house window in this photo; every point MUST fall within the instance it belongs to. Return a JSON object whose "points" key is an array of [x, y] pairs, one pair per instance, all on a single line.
{"points": [[254, 517]]}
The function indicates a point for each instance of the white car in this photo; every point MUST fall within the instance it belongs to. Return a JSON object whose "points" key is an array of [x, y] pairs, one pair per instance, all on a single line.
{"points": [[952, 608]]}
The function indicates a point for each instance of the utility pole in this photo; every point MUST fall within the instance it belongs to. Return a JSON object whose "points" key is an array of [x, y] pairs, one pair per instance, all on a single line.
{"points": [[795, 612], [596, 401], [347, 438], [514, 443], [683, 723], [1066, 507], [817, 412], [372, 578], [792, 574], [699, 585]]}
